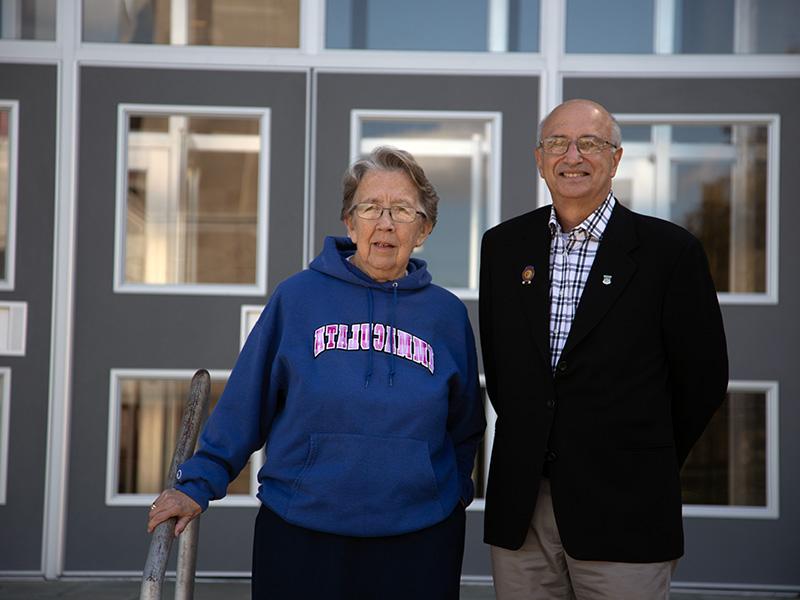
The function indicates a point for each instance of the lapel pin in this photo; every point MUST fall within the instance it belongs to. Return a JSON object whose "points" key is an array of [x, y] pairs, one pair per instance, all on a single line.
{"points": [[527, 275], [606, 279]]}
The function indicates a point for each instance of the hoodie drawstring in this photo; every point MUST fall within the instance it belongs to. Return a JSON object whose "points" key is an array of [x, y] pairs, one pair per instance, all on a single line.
{"points": [[371, 306], [392, 322]]}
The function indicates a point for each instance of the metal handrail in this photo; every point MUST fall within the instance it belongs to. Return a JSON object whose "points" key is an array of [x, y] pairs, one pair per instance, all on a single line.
{"points": [[161, 542]]}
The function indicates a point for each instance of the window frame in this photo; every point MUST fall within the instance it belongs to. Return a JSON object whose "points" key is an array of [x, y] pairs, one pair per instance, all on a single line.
{"points": [[772, 509], [772, 123], [124, 112], [7, 283], [494, 174], [114, 498], [18, 321]]}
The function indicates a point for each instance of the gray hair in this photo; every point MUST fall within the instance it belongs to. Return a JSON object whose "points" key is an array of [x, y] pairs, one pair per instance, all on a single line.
{"points": [[387, 158], [616, 132]]}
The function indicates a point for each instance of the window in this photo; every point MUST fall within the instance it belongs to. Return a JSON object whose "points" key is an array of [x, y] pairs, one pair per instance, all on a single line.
{"points": [[481, 25], [28, 19], [13, 328], [683, 26], [8, 191], [732, 470], [5, 412], [260, 23], [460, 153], [146, 412], [192, 201], [715, 177], [480, 473]]}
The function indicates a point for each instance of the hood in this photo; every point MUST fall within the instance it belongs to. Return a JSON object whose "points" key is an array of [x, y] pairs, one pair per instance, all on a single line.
{"points": [[333, 261]]}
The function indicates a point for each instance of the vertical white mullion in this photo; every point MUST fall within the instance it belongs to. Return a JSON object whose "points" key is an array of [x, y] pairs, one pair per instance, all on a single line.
{"points": [[179, 23], [476, 195], [10, 12], [664, 27], [744, 26], [552, 45], [662, 143], [497, 26], [312, 26], [68, 21]]}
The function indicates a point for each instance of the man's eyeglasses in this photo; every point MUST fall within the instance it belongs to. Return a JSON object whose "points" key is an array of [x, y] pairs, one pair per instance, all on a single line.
{"points": [[398, 213], [587, 144]]}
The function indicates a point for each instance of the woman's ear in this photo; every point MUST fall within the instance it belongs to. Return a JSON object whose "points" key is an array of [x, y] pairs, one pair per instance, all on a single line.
{"points": [[424, 232], [351, 232]]}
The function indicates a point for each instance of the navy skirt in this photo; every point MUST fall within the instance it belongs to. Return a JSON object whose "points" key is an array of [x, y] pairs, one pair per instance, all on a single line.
{"points": [[294, 563]]}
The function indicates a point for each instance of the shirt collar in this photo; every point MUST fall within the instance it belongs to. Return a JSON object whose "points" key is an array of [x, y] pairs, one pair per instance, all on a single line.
{"points": [[594, 225]]}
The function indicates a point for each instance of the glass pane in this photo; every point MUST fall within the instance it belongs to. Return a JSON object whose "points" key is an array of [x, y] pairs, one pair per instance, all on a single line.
{"points": [[635, 133], [192, 201], [5, 186], [704, 26], [728, 465], [612, 26], [273, 23], [422, 25], [714, 184], [455, 154], [28, 19], [150, 421]]}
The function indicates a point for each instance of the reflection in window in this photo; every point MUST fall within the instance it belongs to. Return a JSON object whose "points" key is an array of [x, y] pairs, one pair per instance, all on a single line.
{"points": [[728, 465], [611, 26], [28, 19], [5, 190], [192, 200], [259, 23], [728, 26], [510, 25], [150, 416], [712, 180], [458, 157]]}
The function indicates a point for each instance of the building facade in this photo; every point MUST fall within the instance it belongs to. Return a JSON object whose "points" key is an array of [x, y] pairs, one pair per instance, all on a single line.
{"points": [[165, 164]]}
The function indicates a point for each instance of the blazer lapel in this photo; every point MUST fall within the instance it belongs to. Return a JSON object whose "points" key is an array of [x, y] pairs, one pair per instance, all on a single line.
{"points": [[611, 271], [534, 251]]}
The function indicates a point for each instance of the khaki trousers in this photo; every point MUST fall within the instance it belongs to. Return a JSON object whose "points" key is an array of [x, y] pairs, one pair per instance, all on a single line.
{"points": [[542, 570]]}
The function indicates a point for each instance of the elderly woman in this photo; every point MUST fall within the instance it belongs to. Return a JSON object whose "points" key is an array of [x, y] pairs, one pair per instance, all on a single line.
{"points": [[360, 377]]}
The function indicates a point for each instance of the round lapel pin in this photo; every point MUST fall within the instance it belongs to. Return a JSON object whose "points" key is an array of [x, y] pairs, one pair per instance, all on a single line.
{"points": [[527, 274]]}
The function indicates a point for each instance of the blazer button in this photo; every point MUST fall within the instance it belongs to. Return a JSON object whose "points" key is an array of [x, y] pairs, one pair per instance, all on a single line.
{"points": [[562, 367], [550, 403], [550, 455]]}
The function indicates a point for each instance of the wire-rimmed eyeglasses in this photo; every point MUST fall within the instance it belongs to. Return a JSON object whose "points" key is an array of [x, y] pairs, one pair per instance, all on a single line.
{"points": [[399, 213], [587, 144]]}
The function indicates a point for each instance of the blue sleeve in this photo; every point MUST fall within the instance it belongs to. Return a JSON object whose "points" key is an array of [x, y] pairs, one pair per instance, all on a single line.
{"points": [[239, 424], [466, 421]]}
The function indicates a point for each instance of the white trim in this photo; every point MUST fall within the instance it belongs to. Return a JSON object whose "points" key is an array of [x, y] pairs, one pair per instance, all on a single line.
{"points": [[434, 147], [60, 373], [772, 122], [312, 26], [247, 319], [771, 510], [5, 428], [7, 284], [112, 497], [309, 166], [259, 288], [16, 328]]}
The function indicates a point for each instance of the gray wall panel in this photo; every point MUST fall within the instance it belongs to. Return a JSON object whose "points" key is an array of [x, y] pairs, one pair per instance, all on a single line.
{"points": [[34, 86], [762, 340], [162, 331]]}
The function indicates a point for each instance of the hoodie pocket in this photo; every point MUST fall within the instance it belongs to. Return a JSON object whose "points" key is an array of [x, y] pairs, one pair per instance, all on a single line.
{"points": [[365, 486]]}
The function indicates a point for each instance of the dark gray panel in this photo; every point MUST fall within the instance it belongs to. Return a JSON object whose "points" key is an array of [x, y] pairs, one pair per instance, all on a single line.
{"points": [[162, 331], [762, 340], [516, 97], [35, 87]]}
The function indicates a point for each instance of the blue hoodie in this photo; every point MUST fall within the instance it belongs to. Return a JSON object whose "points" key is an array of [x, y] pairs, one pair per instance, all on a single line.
{"points": [[366, 395]]}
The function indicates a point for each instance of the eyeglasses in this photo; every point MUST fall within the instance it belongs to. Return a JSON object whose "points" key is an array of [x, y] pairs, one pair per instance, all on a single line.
{"points": [[399, 213], [587, 144]]}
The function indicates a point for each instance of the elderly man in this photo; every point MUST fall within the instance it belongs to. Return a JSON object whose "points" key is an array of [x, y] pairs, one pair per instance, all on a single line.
{"points": [[605, 358]]}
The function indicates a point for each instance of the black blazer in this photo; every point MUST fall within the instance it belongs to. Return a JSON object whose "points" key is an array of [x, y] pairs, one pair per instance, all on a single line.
{"points": [[643, 370]]}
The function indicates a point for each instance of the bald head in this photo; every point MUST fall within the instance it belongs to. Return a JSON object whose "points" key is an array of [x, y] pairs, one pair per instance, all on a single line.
{"points": [[614, 135]]}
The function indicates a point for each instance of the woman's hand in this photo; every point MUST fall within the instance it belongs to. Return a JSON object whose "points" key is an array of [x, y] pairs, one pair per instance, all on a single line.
{"points": [[172, 503]]}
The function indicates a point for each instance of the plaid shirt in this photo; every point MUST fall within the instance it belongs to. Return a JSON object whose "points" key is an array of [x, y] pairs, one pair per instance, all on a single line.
{"points": [[571, 258]]}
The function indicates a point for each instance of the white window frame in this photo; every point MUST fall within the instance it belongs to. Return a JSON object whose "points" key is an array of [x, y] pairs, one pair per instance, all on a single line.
{"points": [[772, 123], [113, 498], [124, 112], [771, 510], [479, 504], [495, 119], [5, 429], [248, 317], [12, 106], [17, 318]]}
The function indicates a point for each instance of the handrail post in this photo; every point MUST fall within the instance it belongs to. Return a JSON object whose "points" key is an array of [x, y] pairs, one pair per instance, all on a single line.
{"points": [[161, 542]]}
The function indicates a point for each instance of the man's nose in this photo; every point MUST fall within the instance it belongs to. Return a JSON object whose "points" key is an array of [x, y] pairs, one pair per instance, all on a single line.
{"points": [[572, 153]]}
